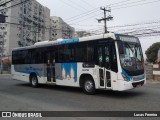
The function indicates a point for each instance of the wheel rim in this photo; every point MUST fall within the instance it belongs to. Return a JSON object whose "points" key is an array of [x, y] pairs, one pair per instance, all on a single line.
{"points": [[34, 81], [89, 86]]}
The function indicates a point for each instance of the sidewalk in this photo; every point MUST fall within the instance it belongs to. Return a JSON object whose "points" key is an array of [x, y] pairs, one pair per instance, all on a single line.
{"points": [[151, 81], [5, 74]]}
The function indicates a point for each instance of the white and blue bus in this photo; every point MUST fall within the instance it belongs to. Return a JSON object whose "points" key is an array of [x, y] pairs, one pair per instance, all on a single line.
{"points": [[107, 61]]}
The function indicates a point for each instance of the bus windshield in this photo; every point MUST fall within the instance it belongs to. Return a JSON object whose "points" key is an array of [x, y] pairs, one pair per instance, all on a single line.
{"points": [[131, 57]]}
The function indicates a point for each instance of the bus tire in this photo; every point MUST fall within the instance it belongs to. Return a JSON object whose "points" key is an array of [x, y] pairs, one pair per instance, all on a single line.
{"points": [[34, 81], [89, 86]]}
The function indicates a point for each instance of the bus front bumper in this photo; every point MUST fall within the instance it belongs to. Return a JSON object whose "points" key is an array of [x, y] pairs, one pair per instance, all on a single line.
{"points": [[127, 85]]}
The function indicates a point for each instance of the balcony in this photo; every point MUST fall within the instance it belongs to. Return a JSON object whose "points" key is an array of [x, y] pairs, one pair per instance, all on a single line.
{"points": [[29, 19], [20, 43], [35, 23], [28, 39], [35, 16], [25, 17], [3, 29]]}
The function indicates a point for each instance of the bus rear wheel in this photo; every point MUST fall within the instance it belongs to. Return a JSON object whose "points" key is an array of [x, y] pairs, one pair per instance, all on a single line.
{"points": [[34, 81], [89, 86]]}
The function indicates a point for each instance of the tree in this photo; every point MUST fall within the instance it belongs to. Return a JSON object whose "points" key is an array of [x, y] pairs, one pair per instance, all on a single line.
{"points": [[152, 52]]}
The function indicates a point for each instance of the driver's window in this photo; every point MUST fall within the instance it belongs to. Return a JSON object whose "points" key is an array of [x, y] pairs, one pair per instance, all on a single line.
{"points": [[128, 52], [139, 56]]}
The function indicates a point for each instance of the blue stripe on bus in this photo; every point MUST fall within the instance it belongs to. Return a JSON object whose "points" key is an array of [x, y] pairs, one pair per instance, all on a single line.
{"points": [[74, 40], [29, 72], [128, 77], [140, 77]]}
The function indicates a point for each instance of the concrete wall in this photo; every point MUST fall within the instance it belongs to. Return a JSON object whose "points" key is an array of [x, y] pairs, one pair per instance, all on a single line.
{"points": [[156, 72], [149, 72]]}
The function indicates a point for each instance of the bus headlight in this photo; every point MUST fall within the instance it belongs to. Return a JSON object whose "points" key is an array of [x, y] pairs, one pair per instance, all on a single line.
{"points": [[124, 77]]}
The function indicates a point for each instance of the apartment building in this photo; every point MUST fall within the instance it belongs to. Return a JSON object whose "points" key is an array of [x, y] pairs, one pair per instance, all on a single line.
{"points": [[60, 29], [26, 24]]}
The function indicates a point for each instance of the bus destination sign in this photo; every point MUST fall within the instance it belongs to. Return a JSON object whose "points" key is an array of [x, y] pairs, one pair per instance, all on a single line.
{"points": [[127, 38]]}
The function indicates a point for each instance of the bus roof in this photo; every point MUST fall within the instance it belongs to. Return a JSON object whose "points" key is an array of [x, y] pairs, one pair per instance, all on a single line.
{"points": [[76, 40], [68, 41]]}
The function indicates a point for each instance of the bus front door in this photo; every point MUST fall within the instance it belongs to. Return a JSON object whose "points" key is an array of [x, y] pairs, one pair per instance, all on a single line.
{"points": [[104, 66]]}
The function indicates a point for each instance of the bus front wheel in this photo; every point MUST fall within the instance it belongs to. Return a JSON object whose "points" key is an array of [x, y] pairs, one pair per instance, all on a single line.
{"points": [[34, 81], [89, 86]]}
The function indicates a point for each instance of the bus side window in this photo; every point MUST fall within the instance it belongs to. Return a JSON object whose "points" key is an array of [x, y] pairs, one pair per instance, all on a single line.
{"points": [[28, 57]]}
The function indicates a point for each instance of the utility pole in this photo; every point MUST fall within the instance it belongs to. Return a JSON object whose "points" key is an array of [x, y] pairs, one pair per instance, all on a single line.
{"points": [[106, 18]]}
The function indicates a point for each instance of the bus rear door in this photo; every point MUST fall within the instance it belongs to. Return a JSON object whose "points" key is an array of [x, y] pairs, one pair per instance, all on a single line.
{"points": [[51, 67]]}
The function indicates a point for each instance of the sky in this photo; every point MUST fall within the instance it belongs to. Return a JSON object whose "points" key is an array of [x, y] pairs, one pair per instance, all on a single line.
{"points": [[128, 16]]}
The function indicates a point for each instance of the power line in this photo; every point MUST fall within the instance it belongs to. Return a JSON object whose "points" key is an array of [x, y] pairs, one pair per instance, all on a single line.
{"points": [[93, 11], [131, 25], [111, 5], [138, 29], [137, 5], [124, 4], [119, 26], [78, 4], [96, 9], [136, 24], [84, 15], [92, 31], [87, 18], [87, 3], [77, 8], [15, 5], [149, 28], [85, 24], [145, 28]]}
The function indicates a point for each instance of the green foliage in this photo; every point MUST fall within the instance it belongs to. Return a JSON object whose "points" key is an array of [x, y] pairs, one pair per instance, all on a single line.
{"points": [[152, 52]]}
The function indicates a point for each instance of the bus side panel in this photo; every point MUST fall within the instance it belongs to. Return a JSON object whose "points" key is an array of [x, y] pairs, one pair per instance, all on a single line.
{"points": [[92, 71], [17, 75], [66, 74], [22, 72]]}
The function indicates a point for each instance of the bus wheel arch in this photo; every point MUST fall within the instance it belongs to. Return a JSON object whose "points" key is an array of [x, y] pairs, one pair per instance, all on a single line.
{"points": [[87, 83], [33, 80]]}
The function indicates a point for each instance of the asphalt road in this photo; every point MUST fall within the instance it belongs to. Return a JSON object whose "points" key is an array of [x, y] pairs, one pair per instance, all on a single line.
{"points": [[20, 96]]}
